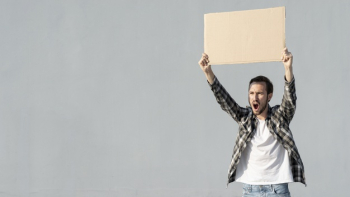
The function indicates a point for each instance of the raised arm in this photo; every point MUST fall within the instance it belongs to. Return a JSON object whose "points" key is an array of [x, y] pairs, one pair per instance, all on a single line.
{"points": [[226, 102], [287, 59], [206, 67], [288, 106]]}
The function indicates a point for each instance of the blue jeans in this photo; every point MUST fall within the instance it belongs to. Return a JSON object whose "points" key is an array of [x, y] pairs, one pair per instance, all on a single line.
{"points": [[276, 190]]}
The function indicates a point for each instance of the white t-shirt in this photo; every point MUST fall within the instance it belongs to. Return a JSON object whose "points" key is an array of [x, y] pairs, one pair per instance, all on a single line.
{"points": [[264, 160]]}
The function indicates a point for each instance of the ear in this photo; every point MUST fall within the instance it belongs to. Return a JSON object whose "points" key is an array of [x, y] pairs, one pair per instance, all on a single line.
{"points": [[269, 97]]}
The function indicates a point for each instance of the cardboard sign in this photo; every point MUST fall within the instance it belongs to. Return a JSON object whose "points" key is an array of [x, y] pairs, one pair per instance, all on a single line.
{"points": [[245, 36]]}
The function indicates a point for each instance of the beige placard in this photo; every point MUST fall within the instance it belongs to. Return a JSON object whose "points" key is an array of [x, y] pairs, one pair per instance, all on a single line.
{"points": [[245, 36]]}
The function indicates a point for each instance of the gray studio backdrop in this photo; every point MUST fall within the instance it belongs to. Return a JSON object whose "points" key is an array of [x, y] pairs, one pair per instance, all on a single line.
{"points": [[106, 98]]}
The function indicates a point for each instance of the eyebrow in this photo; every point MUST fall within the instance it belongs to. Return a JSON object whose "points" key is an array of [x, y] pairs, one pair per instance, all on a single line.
{"points": [[256, 92]]}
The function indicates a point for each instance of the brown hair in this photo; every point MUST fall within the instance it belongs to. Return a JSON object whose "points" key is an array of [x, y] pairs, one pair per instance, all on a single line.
{"points": [[269, 85]]}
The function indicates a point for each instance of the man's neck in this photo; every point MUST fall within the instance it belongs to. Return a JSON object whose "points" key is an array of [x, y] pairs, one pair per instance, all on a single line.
{"points": [[263, 115]]}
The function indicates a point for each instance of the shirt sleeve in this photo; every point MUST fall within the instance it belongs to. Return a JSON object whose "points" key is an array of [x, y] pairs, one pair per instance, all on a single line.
{"points": [[288, 106], [226, 102]]}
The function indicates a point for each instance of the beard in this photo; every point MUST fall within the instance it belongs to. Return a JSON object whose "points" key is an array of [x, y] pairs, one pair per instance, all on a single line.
{"points": [[262, 107]]}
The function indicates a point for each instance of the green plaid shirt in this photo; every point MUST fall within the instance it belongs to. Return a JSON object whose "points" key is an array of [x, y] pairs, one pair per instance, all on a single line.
{"points": [[277, 121]]}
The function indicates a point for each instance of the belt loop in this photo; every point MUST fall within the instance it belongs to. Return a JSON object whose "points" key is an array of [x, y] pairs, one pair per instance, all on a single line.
{"points": [[272, 188]]}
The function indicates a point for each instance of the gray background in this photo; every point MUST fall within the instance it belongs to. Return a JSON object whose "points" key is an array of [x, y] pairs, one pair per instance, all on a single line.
{"points": [[106, 98]]}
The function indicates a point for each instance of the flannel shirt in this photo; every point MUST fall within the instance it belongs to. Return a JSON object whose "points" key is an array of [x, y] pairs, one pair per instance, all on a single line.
{"points": [[277, 121]]}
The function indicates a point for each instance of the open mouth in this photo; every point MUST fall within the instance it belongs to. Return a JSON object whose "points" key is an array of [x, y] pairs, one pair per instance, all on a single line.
{"points": [[256, 106]]}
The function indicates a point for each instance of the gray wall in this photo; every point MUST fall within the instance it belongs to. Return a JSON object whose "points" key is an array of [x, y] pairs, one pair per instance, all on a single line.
{"points": [[105, 98]]}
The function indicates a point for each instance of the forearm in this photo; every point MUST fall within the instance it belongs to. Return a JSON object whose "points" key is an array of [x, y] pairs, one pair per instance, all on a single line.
{"points": [[210, 76], [288, 106], [287, 59], [226, 102], [289, 73]]}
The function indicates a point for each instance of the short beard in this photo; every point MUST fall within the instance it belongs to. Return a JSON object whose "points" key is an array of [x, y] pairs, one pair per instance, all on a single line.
{"points": [[261, 110]]}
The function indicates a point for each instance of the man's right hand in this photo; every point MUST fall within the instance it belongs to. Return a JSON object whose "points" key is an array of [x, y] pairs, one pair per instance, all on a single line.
{"points": [[206, 67]]}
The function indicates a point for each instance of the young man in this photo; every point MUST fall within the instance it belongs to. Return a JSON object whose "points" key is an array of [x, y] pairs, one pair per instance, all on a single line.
{"points": [[265, 158]]}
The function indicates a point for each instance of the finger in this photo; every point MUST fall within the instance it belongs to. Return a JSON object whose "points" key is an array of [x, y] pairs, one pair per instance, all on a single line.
{"points": [[284, 58], [201, 62], [285, 50], [204, 62], [205, 55], [288, 54]]}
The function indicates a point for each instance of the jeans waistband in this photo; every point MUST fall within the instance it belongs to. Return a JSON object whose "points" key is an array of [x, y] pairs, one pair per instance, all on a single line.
{"points": [[268, 188]]}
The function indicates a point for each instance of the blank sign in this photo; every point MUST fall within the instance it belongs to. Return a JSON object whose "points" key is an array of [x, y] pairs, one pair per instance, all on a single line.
{"points": [[245, 36]]}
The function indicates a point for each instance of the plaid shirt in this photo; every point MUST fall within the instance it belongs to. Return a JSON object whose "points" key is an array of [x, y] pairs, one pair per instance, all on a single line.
{"points": [[277, 121]]}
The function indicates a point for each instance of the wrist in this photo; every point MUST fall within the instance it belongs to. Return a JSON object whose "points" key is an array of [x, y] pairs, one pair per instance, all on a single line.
{"points": [[289, 74], [210, 76]]}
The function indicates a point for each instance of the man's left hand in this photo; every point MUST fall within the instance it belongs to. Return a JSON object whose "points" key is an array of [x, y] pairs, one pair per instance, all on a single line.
{"points": [[287, 58]]}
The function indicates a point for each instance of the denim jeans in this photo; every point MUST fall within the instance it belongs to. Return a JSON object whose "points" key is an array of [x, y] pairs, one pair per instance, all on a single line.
{"points": [[280, 190]]}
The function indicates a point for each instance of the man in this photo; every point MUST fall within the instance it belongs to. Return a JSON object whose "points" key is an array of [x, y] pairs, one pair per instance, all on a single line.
{"points": [[265, 158]]}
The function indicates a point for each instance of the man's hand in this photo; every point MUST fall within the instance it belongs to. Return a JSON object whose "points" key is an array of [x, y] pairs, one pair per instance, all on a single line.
{"points": [[204, 63], [206, 67], [287, 59]]}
